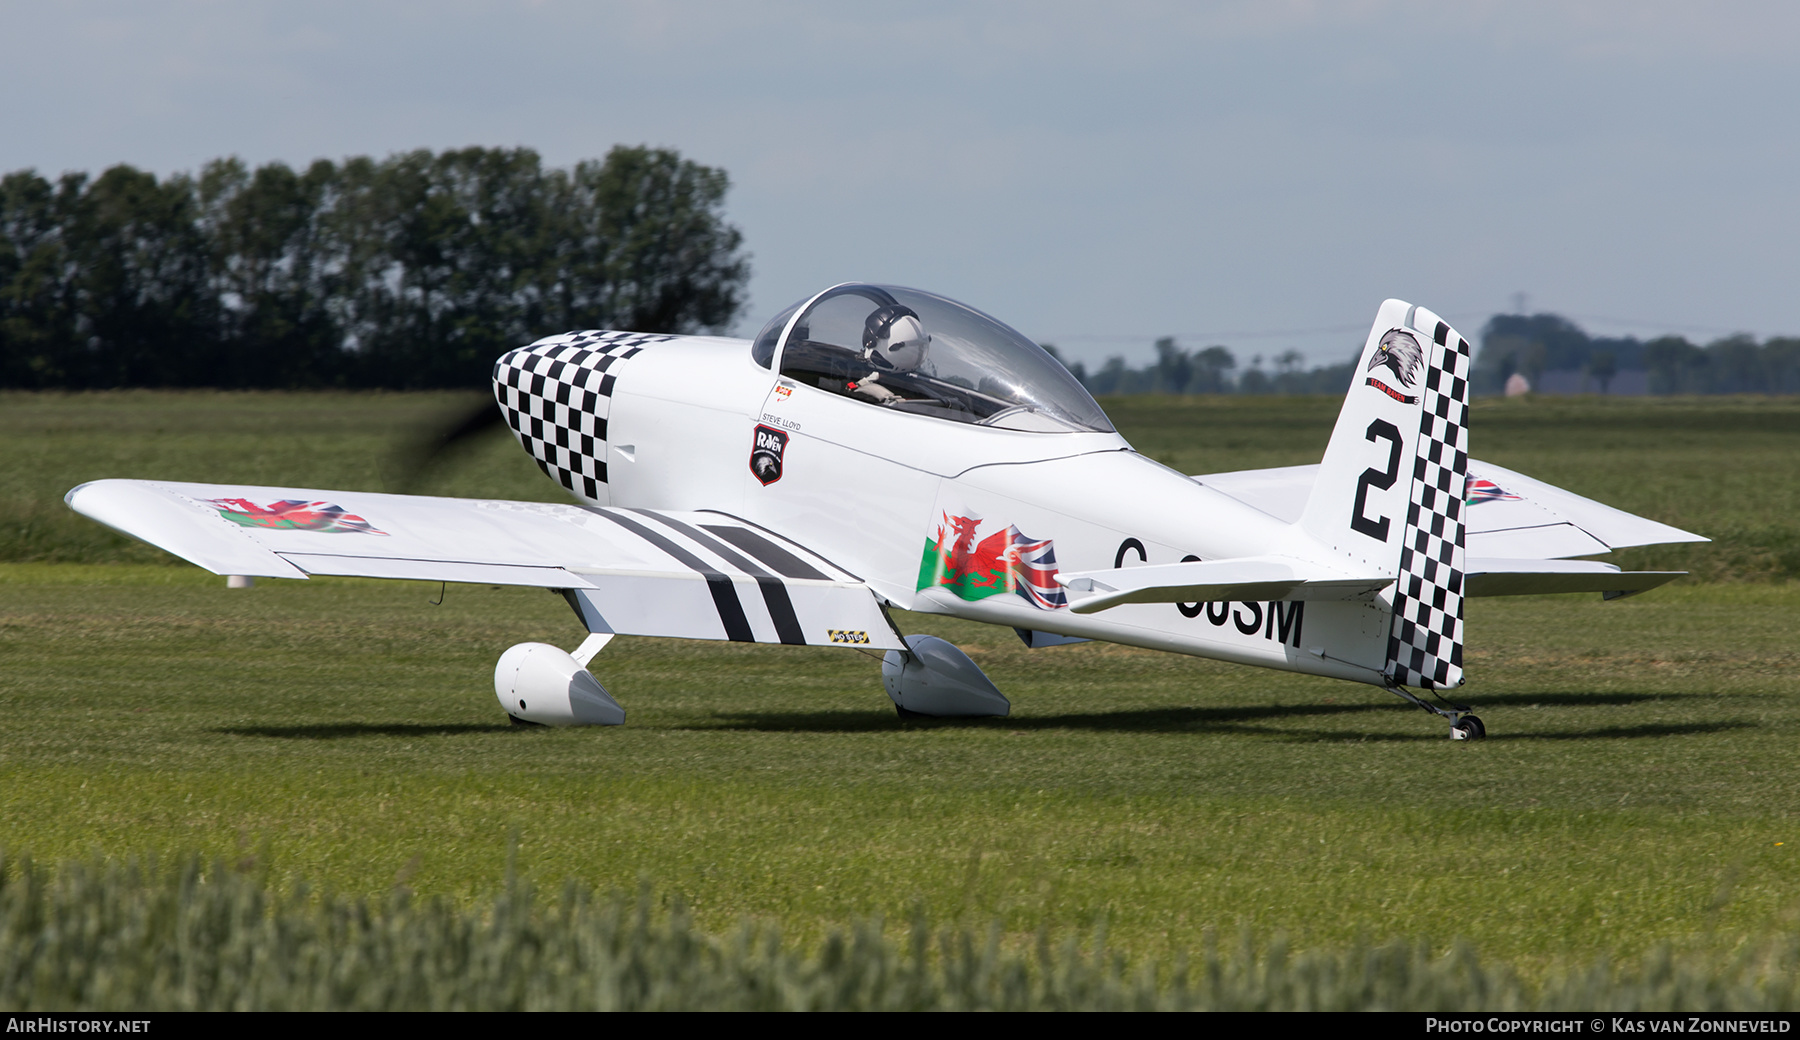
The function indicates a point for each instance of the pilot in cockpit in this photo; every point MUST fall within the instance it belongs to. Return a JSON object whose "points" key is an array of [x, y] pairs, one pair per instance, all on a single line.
{"points": [[894, 342]]}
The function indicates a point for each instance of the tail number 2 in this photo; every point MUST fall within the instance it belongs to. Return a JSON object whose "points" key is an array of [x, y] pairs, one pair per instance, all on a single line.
{"points": [[1381, 481]]}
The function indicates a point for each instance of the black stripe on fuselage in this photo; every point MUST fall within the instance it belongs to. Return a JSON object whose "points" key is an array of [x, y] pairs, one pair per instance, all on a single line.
{"points": [[775, 594], [724, 591], [778, 559]]}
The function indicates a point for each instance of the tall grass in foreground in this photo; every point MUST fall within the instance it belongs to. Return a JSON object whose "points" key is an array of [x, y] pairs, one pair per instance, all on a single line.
{"points": [[110, 937]]}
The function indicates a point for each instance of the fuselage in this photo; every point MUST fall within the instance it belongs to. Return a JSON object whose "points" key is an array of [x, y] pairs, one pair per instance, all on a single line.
{"points": [[935, 515]]}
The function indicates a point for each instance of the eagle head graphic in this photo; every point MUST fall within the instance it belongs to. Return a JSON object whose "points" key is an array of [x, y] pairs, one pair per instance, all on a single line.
{"points": [[1400, 352]]}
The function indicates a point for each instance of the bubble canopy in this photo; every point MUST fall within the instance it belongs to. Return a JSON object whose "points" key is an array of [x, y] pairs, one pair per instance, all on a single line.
{"points": [[921, 353]]}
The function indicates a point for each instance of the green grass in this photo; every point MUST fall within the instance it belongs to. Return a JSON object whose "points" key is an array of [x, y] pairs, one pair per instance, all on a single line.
{"points": [[54, 441], [118, 937], [1632, 794]]}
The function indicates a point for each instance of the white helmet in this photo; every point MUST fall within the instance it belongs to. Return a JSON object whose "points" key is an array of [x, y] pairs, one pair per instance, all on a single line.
{"points": [[893, 337]]}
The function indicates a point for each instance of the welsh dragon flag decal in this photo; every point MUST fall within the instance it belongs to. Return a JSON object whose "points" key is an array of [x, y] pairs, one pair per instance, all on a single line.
{"points": [[958, 558], [293, 515]]}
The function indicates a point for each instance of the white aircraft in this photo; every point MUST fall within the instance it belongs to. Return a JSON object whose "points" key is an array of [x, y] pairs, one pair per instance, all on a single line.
{"points": [[878, 447]]}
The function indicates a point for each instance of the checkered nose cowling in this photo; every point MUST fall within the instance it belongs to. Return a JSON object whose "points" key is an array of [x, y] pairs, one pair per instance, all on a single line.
{"points": [[556, 395], [1425, 649]]}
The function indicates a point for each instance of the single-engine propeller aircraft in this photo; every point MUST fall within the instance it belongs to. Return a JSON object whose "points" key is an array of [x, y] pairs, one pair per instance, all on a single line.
{"points": [[878, 447]]}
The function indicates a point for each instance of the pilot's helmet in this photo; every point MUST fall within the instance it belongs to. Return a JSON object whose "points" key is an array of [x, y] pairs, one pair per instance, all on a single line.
{"points": [[893, 337]]}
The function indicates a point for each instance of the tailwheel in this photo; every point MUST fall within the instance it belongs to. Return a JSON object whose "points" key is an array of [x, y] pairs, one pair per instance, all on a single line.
{"points": [[1468, 727], [1464, 725]]}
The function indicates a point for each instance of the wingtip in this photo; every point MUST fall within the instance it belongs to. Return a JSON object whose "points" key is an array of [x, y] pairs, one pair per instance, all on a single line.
{"points": [[69, 497]]}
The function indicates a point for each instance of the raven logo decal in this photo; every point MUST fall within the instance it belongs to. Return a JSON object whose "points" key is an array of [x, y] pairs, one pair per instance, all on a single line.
{"points": [[766, 451], [1399, 352]]}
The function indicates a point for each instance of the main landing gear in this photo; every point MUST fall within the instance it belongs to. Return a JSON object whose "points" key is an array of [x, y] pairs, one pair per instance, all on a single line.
{"points": [[540, 685], [1464, 724], [933, 679]]}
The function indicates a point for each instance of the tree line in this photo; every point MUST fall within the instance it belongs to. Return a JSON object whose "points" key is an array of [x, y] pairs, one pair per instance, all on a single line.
{"points": [[1210, 370], [1527, 344], [1534, 344], [418, 270], [407, 272]]}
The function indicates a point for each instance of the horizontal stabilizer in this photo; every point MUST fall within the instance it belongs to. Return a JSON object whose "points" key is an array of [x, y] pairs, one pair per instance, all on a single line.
{"points": [[1246, 579], [1494, 577], [1511, 515], [1503, 499]]}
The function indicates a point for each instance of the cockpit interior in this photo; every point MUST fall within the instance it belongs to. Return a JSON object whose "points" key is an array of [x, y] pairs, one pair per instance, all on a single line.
{"points": [[916, 352]]}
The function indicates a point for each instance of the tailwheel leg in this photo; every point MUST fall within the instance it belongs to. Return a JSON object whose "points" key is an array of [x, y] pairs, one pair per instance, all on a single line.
{"points": [[1464, 723]]}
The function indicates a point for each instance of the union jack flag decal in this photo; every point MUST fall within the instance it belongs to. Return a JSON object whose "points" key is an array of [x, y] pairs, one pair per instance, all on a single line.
{"points": [[1008, 560], [1483, 490], [1033, 570], [293, 515]]}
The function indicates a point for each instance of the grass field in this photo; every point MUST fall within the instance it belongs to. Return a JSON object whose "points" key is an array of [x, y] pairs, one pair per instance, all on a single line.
{"points": [[1632, 793]]}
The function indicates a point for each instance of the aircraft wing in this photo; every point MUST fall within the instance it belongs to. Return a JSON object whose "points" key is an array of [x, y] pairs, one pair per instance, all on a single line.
{"points": [[1511, 516], [694, 575]]}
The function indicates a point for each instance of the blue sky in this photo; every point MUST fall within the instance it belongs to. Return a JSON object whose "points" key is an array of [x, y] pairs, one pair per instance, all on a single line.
{"points": [[1257, 174]]}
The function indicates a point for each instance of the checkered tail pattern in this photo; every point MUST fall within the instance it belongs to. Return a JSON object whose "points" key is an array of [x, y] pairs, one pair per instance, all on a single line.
{"points": [[556, 395], [1425, 648]]}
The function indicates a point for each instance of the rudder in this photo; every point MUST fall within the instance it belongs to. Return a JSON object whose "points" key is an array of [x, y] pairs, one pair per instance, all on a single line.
{"points": [[1409, 400], [1426, 647]]}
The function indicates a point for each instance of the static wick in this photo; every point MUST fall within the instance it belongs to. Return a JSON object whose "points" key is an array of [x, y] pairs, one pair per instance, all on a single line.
{"points": [[440, 600]]}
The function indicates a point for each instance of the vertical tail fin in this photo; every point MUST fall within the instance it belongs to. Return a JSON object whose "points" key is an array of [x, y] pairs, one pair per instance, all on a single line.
{"points": [[1389, 495]]}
